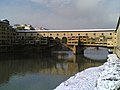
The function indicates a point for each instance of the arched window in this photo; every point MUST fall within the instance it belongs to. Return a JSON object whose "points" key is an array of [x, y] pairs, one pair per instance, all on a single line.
{"points": [[64, 40], [94, 34]]}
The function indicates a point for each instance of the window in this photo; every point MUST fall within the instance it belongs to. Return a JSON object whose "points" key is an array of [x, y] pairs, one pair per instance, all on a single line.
{"points": [[94, 34], [14, 34], [100, 39], [110, 33], [57, 34], [22, 37]]}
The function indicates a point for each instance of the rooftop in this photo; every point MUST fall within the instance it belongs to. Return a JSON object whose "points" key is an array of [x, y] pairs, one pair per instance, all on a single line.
{"points": [[74, 30]]}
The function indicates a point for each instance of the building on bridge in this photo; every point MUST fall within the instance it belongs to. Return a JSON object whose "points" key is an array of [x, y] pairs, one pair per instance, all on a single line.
{"points": [[73, 38], [105, 37]]}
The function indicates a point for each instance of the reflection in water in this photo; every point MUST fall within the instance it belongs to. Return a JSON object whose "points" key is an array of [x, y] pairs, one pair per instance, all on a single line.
{"points": [[66, 55], [38, 72]]}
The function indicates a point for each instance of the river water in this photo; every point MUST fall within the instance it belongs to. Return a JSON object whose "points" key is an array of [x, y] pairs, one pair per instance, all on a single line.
{"points": [[43, 71]]}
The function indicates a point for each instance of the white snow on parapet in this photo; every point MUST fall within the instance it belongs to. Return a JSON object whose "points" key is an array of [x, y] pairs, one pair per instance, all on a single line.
{"points": [[109, 78], [112, 58], [105, 77]]}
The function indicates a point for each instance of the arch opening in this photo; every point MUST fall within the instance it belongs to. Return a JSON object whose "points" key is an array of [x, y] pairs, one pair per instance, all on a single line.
{"points": [[64, 40]]}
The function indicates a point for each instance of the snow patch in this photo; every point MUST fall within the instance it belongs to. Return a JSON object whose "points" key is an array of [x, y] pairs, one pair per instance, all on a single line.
{"points": [[109, 77]]}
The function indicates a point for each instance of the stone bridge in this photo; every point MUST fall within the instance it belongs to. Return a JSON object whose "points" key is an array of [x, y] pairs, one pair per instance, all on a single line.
{"points": [[79, 38]]}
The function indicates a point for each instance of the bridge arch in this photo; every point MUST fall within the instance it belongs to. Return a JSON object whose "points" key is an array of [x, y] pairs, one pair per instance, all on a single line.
{"points": [[57, 39], [51, 38]]}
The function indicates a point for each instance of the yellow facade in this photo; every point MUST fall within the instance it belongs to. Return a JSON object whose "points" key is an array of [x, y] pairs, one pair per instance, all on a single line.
{"points": [[106, 38]]}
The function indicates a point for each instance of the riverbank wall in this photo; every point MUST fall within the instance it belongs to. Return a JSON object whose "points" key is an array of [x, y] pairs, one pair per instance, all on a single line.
{"points": [[117, 48]]}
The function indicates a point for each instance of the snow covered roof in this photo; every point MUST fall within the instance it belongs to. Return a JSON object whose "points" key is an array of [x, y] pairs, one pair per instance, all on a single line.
{"points": [[72, 30]]}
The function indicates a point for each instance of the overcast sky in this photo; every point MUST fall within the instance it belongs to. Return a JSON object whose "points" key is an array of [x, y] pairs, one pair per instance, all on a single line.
{"points": [[62, 14]]}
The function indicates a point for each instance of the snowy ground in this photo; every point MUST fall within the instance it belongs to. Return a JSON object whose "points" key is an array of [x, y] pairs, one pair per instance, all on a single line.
{"points": [[105, 77]]}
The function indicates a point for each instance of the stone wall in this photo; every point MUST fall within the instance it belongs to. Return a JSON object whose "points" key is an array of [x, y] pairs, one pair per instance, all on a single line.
{"points": [[117, 49]]}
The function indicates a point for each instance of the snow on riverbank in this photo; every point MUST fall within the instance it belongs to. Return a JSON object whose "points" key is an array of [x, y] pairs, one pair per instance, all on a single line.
{"points": [[109, 77], [105, 77]]}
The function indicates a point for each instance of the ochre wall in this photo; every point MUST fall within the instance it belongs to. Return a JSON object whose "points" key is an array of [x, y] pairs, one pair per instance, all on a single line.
{"points": [[117, 51]]}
